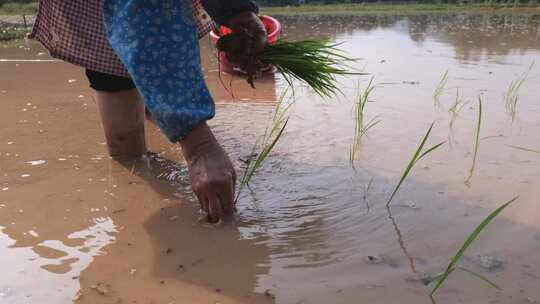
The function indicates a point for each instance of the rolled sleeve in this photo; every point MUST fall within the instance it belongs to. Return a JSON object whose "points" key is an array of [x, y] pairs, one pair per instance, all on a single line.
{"points": [[157, 42]]}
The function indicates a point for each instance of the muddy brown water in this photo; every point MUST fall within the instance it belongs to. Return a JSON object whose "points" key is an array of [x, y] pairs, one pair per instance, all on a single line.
{"points": [[77, 226]]}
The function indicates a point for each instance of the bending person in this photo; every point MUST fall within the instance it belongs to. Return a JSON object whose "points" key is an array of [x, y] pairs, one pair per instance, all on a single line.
{"points": [[141, 53]]}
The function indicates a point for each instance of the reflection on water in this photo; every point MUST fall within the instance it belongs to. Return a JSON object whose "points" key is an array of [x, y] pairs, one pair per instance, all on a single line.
{"points": [[401, 242], [313, 230], [470, 35], [26, 282]]}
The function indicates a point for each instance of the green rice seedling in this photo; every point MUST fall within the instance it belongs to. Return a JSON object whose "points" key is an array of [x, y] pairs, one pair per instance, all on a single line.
{"points": [[455, 109], [512, 94], [418, 155], [440, 89], [479, 276], [476, 142], [272, 135], [361, 127], [453, 265]]}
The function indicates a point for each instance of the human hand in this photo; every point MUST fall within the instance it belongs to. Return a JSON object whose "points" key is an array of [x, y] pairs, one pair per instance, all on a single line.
{"points": [[211, 172], [248, 39]]}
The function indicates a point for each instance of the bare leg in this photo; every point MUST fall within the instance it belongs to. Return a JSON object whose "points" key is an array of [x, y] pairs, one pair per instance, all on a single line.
{"points": [[122, 117]]}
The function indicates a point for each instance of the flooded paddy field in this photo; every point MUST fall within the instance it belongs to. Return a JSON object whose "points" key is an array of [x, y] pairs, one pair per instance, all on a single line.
{"points": [[76, 226]]}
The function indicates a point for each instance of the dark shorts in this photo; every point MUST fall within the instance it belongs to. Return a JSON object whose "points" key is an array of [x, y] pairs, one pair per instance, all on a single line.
{"points": [[108, 83]]}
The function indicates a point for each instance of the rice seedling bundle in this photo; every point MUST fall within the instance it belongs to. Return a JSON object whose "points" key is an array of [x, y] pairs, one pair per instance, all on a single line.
{"points": [[316, 63]]}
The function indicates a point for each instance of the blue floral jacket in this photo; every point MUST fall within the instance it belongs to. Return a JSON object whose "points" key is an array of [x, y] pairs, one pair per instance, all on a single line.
{"points": [[157, 42]]}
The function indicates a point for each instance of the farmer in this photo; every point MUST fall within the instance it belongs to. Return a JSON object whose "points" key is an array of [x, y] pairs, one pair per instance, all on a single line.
{"points": [[141, 53]]}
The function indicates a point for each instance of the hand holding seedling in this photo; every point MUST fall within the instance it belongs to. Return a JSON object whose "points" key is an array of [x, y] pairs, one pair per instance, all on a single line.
{"points": [[248, 39], [211, 172]]}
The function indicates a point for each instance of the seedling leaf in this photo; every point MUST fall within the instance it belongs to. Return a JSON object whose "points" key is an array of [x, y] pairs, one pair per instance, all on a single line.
{"points": [[468, 242], [416, 157]]}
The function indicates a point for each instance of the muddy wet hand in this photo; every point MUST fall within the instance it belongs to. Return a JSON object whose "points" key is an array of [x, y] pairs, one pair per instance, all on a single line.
{"points": [[211, 172]]}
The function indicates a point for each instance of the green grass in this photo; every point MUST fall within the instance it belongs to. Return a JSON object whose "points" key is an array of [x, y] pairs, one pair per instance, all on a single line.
{"points": [[387, 8], [18, 8], [512, 94], [271, 136], [418, 155], [361, 126], [476, 142], [453, 265], [439, 90]]}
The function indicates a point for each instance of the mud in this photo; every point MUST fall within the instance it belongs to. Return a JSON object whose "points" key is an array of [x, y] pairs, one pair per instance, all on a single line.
{"points": [[79, 227]]}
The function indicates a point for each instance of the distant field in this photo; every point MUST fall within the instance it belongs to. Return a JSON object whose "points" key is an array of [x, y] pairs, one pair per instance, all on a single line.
{"points": [[376, 8], [17, 9]]}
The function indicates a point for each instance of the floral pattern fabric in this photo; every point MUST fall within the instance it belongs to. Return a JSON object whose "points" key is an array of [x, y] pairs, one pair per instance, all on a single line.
{"points": [[158, 44]]}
